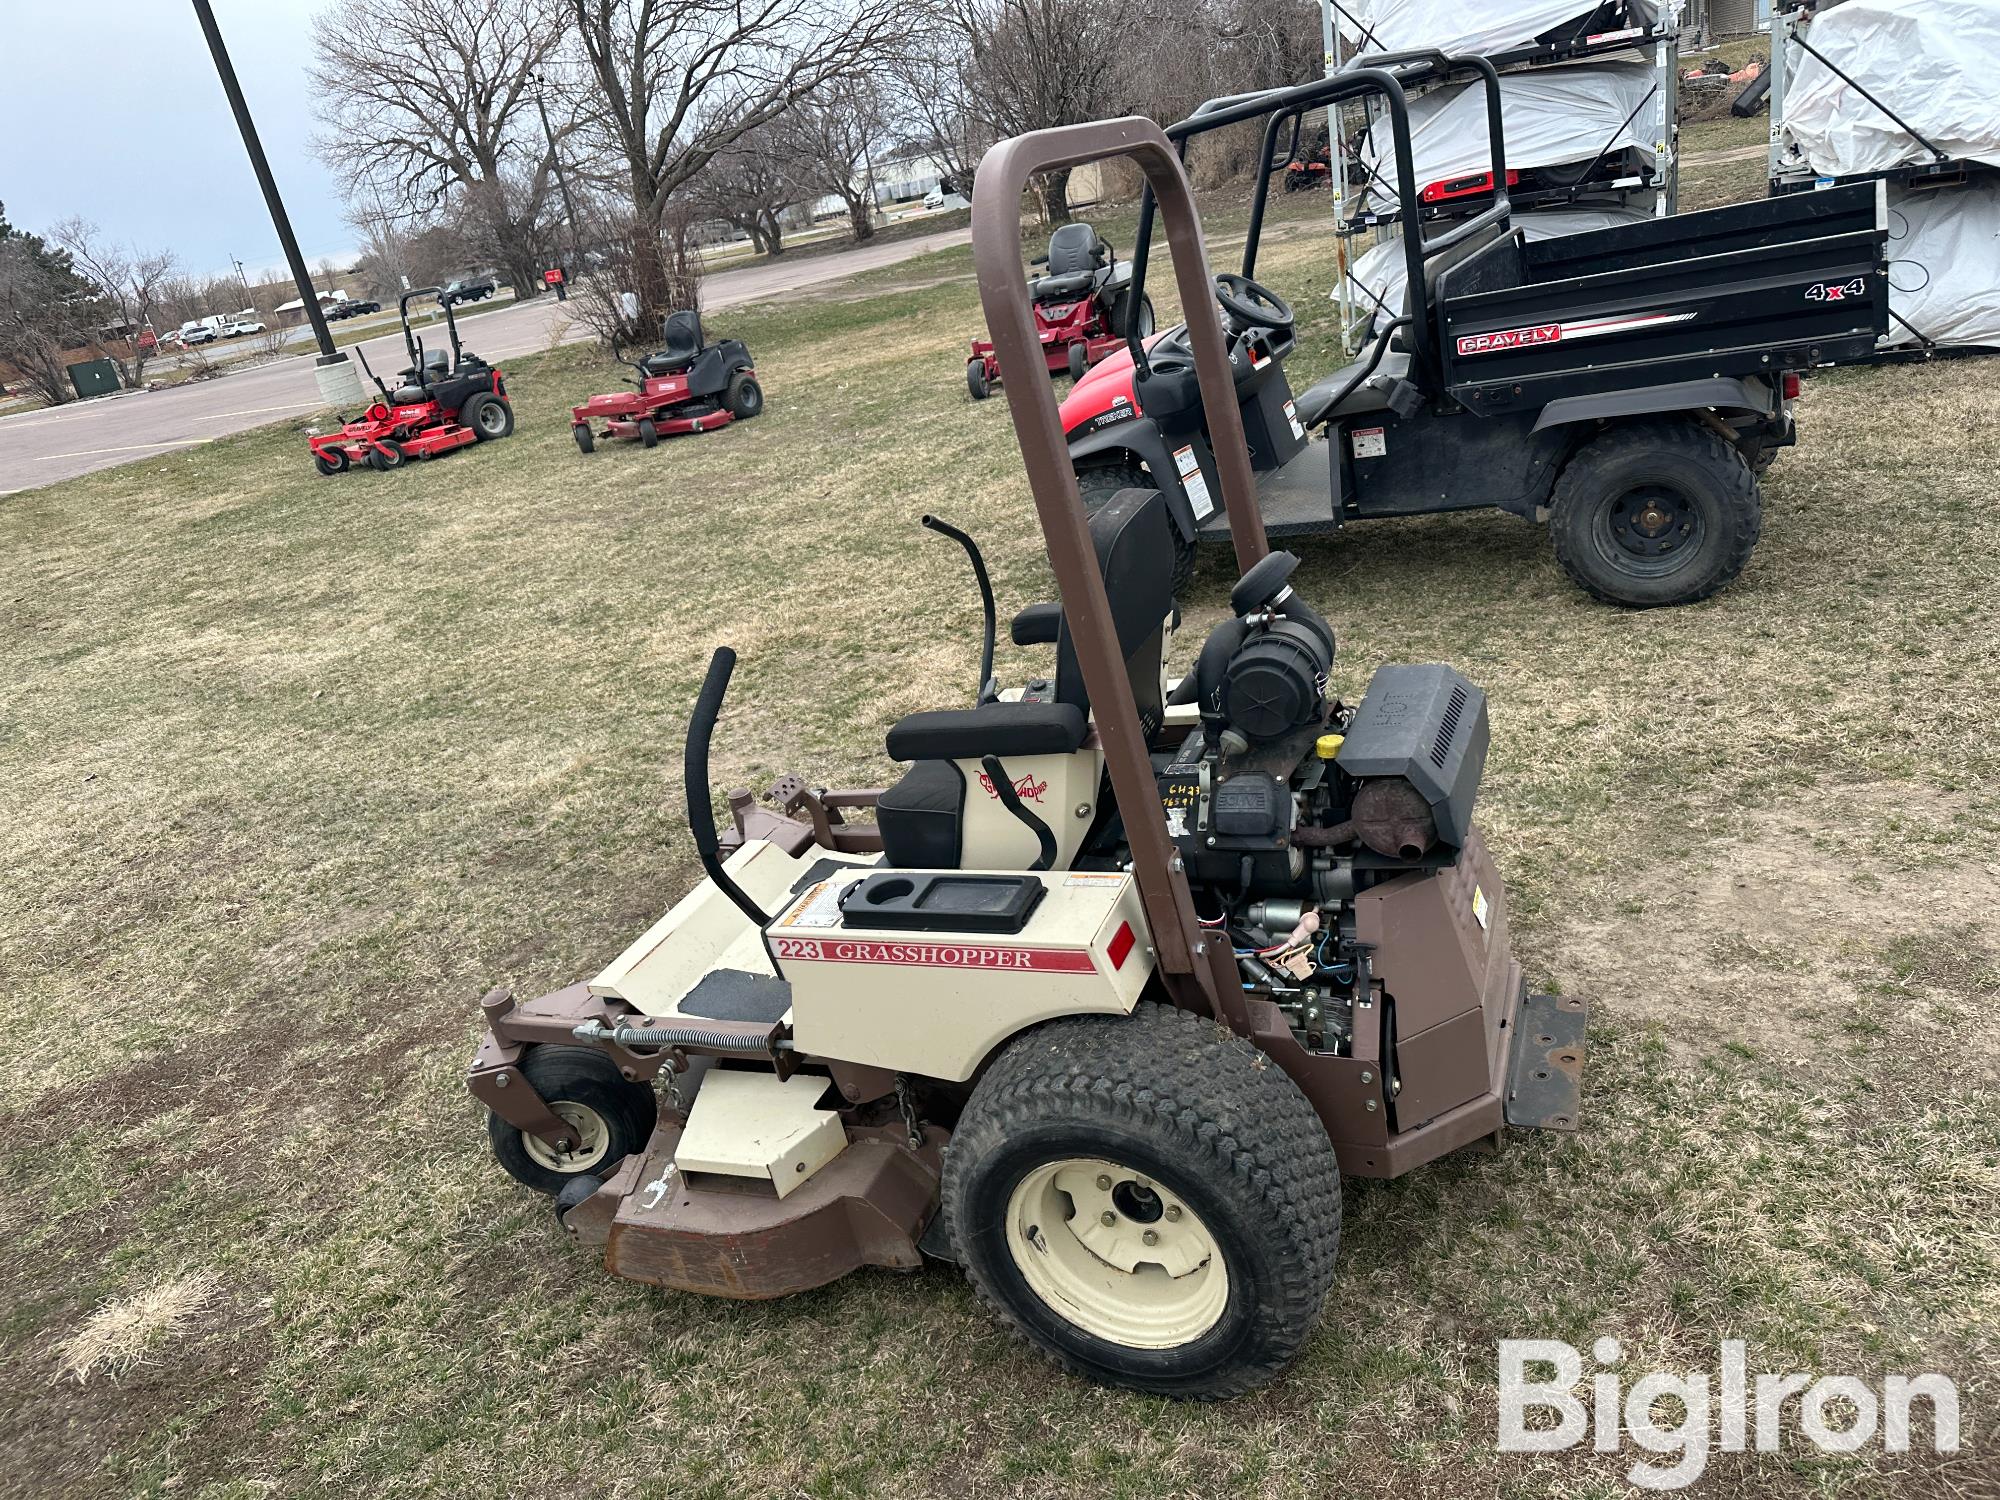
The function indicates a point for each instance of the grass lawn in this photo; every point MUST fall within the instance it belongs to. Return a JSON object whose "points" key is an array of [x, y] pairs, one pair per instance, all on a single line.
{"points": [[296, 768]]}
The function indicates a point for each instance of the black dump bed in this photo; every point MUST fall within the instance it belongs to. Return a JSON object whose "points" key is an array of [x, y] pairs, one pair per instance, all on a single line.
{"points": [[1753, 288]]}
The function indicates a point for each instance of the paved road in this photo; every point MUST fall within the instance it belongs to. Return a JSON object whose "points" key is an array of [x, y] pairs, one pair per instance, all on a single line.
{"points": [[42, 447]]}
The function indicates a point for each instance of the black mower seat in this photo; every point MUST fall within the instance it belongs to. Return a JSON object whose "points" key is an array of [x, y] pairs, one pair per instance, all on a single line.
{"points": [[1048, 288], [990, 729], [684, 343], [1314, 404]]}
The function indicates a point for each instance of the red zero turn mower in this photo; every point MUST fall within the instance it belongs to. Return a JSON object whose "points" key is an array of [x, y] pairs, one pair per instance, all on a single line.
{"points": [[443, 402], [1083, 309], [689, 386]]}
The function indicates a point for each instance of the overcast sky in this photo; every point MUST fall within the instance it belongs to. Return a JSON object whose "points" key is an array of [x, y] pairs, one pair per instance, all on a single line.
{"points": [[111, 109]]}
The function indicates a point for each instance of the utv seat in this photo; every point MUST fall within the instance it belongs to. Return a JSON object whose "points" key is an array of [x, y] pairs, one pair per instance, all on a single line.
{"points": [[923, 816], [684, 343], [1378, 392], [1076, 259]]}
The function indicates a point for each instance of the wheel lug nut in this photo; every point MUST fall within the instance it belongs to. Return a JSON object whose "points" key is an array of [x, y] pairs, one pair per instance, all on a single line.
{"points": [[1151, 1237], [1109, 1218], [1103, 1183], [1173, 1213]]}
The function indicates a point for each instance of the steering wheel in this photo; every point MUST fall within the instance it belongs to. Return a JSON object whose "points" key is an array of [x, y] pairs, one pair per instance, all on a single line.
{"points": [[1252, 304]]}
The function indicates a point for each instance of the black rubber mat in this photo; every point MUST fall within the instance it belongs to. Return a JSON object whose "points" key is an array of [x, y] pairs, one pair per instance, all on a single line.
{"points": [[738, 995]]}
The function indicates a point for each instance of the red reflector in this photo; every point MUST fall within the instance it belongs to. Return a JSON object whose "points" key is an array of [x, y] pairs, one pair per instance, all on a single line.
{"points": [[1792, 385], [1121, 945]]}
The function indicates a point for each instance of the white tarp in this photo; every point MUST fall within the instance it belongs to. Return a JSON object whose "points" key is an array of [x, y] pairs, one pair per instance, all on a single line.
{"points": [[1944, 264], [1379, 269], [1934, 62], [1454, 26], [1549, 117]]}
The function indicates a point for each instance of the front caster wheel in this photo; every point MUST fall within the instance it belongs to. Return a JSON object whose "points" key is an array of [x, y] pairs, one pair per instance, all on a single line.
{"points": [[335, 463], [1079, 361], [386, 456], [649, 435], [586, 440], [1148, 1201], [611, 1118], [976, 382]]}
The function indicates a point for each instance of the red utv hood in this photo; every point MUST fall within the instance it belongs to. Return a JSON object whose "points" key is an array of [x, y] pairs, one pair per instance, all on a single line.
{"points": [[1103, 385]]}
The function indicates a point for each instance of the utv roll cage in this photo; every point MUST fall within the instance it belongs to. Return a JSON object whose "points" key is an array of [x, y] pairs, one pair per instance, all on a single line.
{"points": [[1386, 75]]}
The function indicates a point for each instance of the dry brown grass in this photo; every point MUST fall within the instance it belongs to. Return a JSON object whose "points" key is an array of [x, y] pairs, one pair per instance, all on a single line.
{"points": [[296, 768]]}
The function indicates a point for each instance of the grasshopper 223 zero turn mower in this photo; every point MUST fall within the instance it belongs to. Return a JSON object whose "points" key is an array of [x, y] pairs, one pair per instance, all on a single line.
{"points": [[444, 401], [1123, 978]]}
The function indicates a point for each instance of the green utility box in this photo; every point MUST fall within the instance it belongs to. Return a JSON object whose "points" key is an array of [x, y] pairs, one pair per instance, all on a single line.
{"points": [[94, 377]]}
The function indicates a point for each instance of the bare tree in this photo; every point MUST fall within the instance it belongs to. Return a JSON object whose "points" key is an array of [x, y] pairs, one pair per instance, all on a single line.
{"points": [[749, 184], [128, 284], [1033, 64], [934, 110], [677, 81], [429, 101], [836, 130]]}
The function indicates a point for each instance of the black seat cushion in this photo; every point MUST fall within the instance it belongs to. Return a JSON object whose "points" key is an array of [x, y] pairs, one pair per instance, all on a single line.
{"points": [[990, 729], [1314, 404], [1047, 288], [920, 817]]}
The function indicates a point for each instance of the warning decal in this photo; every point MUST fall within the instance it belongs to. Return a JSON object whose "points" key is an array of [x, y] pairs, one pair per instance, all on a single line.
{"points": [[1193, 482]]}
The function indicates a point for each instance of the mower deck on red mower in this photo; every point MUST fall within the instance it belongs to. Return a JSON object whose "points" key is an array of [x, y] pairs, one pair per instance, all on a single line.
{"points": [[1083, 308], [444, 402], [689, 386]]}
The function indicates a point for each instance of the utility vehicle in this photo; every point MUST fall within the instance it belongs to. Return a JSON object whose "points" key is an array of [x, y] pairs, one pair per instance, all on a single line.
{"points": [[1626, 385], [689, 386], [1083, 309], [442, 401], [1125, 973]]}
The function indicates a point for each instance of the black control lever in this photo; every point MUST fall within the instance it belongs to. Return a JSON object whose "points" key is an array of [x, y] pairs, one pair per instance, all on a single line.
{"points": [[1011, 800], [989, 685]]}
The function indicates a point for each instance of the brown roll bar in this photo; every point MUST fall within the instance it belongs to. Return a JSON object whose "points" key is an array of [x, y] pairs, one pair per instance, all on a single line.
{"points": [[1199, 974]]}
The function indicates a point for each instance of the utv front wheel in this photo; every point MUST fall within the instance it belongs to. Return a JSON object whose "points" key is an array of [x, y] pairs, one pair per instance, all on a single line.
{"points": [[1655, 513], [1096, 486], [1148, 1201], [611, 1118]]}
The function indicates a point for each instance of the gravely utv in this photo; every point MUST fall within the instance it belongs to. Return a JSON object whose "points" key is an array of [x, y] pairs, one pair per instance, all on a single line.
{"points": [[1626, 385], [1123, 977], [444, 401], [689, 386], [1083, 309]]}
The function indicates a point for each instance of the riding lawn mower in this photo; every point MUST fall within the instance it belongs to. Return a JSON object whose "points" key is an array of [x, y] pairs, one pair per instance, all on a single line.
{"points": [[1126, 972], [1083, 309], [689, 386], [443, 401]]}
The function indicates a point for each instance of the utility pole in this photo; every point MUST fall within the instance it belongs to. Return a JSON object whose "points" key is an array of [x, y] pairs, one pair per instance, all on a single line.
{"points": [[338, 381], [241, 280]]}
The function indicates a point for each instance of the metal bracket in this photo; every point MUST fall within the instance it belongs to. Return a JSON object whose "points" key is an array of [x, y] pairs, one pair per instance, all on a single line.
{"points": [[1545, 1072]]}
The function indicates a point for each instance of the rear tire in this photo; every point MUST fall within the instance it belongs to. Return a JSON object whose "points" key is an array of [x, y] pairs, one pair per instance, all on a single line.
{"points": [[586, 440], [1654, 514], [1120, 316], [1098, 485], [488, 416], [744, 398], [388, 456], [976, 381], [1088, 1130], [649, 435], [613, 1115]]}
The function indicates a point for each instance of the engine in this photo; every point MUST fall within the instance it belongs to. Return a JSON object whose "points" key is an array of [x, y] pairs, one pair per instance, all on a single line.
{"points": [[1284, 804]]}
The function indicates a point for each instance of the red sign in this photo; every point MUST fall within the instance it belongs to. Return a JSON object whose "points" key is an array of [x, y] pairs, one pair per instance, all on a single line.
{"points": [[933, 955], [553, 276]]}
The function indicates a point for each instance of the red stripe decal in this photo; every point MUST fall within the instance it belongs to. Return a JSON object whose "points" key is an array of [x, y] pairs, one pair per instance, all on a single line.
{"points": [[1555, 333], [933, 955]]}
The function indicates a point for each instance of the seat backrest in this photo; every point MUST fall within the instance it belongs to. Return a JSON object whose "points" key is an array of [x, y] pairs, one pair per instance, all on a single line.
{"points": [[1134, 540], [683, 331], [437, 361], [1073, 249]]}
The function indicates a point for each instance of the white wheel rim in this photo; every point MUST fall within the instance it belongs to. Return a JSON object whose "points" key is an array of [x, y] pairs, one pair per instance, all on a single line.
{"points": [[592, 1135], [1117, 1253]]}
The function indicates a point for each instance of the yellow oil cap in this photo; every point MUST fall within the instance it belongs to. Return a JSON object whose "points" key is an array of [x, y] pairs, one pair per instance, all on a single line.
{"points": [[1327, 746]]}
